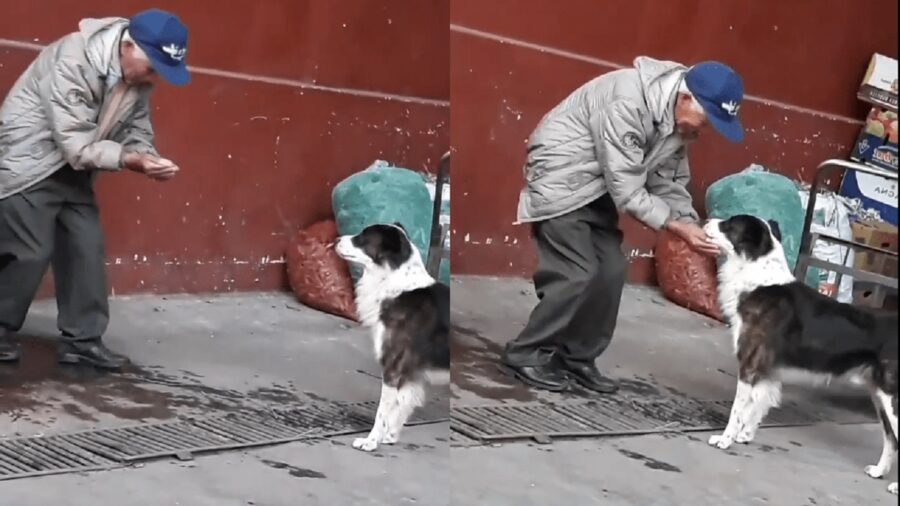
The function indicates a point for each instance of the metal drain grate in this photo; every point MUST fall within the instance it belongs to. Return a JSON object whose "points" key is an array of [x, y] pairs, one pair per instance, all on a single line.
{"points": [[46, 455], [612, 416], [120, 446]]}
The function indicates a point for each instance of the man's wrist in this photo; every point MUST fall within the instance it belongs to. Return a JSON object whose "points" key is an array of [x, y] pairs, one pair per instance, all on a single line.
{"points": [[129, 160], [673, 225]]}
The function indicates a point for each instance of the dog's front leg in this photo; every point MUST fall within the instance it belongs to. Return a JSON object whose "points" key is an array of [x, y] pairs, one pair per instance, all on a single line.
{"points": [[739, 410], [386, 406], [765, 395], [409, 397]]}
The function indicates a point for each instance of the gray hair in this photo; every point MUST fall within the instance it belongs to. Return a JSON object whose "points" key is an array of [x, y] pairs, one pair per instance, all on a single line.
{"points": [[138, 52]]}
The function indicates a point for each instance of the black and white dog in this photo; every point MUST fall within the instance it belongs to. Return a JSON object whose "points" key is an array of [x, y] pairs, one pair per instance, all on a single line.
{"points": [[784, 330], [408, 313]]}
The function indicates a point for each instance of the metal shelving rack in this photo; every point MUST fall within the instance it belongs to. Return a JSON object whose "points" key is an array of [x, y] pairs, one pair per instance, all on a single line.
{"points": [[436, 251], [808, 241]]}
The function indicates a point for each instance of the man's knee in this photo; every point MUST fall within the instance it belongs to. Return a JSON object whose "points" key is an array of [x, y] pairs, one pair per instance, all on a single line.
{"points": [[33, 258], [613, 270]]}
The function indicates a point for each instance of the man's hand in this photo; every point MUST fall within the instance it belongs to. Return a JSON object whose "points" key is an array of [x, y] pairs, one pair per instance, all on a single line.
{"points": [[159, 169], [694, 236]]}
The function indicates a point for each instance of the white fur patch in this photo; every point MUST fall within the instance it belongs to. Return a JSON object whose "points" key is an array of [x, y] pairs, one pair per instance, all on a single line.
{"points": [[437, 376], [739, 275]]}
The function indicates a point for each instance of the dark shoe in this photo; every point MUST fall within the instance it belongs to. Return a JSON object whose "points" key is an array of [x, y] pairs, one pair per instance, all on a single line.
{"points": [[9, 351], [589, 377], [93, 353], [545, 377]]}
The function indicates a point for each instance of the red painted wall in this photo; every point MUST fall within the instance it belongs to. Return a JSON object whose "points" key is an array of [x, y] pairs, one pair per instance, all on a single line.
{"points": [[512, 60], [260, 142]]}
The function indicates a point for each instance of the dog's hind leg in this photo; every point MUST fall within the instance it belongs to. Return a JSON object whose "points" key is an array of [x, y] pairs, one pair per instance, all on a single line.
{"points": [[387, 406], [739, 412], [885, 409], [409, 397], [765, 395]]}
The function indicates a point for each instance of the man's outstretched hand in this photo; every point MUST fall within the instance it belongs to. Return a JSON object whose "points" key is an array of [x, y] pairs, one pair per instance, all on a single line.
{"points": [[151, 166], [696, 238]]}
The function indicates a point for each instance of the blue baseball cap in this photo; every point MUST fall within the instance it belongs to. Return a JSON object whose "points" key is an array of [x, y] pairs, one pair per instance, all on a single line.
{"points": [[163, 37], [720, 91]]}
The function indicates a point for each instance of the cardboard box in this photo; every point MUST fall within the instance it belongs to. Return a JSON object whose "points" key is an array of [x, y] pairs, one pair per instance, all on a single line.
{"points": [[879, 85], [880, 235], [877, 142], [874, 192], [868, 297]]}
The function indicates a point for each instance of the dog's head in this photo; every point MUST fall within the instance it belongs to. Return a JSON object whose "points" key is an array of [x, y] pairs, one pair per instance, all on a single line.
{"points": [[377, 247], [744, 236]]}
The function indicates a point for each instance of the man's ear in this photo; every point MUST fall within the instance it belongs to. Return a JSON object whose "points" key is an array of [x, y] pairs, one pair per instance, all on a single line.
{"points": [[776, 230]]}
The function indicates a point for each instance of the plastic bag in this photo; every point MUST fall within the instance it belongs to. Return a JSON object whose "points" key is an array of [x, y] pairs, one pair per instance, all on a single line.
{"points": [[317, 275], [831, 216]]}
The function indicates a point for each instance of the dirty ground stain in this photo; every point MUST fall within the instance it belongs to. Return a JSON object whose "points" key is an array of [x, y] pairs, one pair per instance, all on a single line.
{"points": [[38, 385], [476, 367], [296, 472], [650, 462]]}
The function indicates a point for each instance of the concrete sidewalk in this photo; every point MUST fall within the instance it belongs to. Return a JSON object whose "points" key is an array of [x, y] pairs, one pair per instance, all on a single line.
{"points": [[659, 349], [202, 356]]}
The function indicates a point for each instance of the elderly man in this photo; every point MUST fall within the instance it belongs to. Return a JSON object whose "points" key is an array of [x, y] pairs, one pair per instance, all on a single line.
{"points": [[618, 143], [81, 108]]}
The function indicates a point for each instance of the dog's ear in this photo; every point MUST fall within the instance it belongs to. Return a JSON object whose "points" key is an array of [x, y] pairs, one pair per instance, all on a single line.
{"points": [[400, 226], [776, 230]]}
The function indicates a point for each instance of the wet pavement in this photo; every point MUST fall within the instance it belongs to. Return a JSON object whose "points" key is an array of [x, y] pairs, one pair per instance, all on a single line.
{"points": [[659, 350], [203, 356]]}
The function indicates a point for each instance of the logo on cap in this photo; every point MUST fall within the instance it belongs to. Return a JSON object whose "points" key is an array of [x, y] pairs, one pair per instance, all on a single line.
{"points": [[175, 52], [731, 107]]}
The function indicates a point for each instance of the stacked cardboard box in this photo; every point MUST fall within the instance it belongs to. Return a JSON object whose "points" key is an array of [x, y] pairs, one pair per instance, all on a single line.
{"points": [[876, 144], [880, 235]]}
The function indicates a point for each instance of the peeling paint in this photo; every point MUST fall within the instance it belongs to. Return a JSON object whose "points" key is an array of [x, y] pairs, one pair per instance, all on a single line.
{"points": [[637, 253]]}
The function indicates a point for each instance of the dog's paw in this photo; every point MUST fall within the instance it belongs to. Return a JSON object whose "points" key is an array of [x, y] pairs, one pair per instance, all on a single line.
{"points": [[722, 442], [892, 488], [744, 437], [390, 438], [874, 471], [365, 444]]}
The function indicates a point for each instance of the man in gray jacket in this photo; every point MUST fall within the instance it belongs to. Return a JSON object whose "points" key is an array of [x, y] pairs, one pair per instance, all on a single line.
{"points": [[618, 143], [81, 108]]}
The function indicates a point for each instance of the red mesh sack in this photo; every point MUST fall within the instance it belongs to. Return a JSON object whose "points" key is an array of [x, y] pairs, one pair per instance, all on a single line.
{"points": [[686, 277], [318, 276]]}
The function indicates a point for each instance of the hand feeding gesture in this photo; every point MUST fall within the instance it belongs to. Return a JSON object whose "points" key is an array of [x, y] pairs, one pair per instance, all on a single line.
{"points": [[696, 238], [159, 169]]}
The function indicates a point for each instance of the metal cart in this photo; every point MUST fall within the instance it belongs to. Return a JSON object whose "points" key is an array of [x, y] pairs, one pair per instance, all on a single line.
{"points": [[879, 282], [436, 250]]}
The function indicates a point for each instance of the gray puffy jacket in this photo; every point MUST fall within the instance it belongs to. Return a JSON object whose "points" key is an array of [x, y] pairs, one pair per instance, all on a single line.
{"points": [[50, 116], [615, 134]]}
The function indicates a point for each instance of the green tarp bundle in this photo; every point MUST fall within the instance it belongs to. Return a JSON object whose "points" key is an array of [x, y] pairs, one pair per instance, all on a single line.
{"points": [[385, 194], [762, 194]]}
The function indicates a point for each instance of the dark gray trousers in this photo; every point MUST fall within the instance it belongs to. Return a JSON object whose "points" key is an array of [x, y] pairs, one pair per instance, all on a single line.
{"points": [[579, 280], [54, 222]]}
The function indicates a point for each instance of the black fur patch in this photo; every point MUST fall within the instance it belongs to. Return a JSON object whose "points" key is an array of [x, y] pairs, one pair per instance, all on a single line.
{"points": [[750, 236], [385, 244], [795, 326], [417, 326], [776, 229]]}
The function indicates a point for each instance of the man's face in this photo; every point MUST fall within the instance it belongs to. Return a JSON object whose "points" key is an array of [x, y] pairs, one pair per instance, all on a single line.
{"points": [[690, 120], [136, 68]]}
